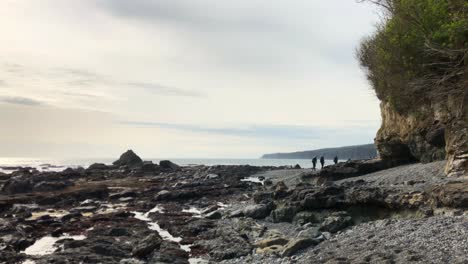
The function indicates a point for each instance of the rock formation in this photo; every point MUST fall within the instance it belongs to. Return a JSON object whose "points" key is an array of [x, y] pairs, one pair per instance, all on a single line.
{"points": [[129, 159], [433, 131]]}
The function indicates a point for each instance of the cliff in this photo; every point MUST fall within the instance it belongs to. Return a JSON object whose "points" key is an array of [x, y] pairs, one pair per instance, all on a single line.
{"points": [[434, 131], [349, 152]]}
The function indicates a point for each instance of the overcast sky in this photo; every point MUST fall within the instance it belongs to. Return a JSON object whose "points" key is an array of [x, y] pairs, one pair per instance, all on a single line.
{"points": [[182, 78]]}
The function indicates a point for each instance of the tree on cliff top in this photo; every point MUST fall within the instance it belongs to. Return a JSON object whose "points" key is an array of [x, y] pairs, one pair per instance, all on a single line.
{"points": [[419, 51]]}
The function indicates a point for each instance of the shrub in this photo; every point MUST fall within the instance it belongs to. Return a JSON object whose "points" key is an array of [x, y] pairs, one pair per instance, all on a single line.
{"points": [[418, 52]]}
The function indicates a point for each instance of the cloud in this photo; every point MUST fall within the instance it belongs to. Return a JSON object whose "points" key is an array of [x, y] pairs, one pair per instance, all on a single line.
{"points": [[165, 90], [20, 101], [286, 132]]}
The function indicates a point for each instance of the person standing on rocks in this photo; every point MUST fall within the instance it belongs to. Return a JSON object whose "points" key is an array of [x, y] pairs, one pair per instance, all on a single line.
{"points": [[322, 161], [335, 159], [314, 162]]}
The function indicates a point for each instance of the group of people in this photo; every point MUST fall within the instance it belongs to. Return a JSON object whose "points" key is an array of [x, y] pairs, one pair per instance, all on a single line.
{"points": [[322, 161]]}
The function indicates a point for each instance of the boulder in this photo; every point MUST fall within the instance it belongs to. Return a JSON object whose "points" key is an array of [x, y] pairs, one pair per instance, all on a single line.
{"points": [[336, 222], [129, 159], [271, 241], [45, 186], [18, 185], [297, 244], [283, 214], [257, 211], [214, 215], [170, 253], [149, 166], [168, 165], [147, 246], [97, 167], [305, 217]]}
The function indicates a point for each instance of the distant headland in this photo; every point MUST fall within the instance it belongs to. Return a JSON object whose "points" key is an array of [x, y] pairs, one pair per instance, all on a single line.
{"points": [[366, 151]]}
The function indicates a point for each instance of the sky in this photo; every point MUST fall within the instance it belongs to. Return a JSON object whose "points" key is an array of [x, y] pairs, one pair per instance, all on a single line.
{"points": [[182, 78]]}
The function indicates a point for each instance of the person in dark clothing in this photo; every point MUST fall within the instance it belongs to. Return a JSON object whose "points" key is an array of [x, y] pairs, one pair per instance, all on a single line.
{"points": [[322, 161], [335, 159], [314, 162]]}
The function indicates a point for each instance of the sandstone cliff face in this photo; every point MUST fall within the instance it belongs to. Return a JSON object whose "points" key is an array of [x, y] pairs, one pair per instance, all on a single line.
{"points": [[429, 132]]}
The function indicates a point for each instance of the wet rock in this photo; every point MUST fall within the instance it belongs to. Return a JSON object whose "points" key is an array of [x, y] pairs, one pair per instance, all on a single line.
{"points": [[97, 167], [297, 244], [311, 232], [214, 215], [130, 159], [268, 182], [20, 244], [162, 195], [69, 216], [57, 232], [320, 197], [262, 196], [119, 232], [283, 214], [280, 190], [126, 193], [18, 185], [131, 261], [89, 208], [257, 211], [212, 176], [271, 241], [356, 168], [147, 246], [107, 249], [305, 217], [336, 222], [168, 165], [169, 253], [45, 186]]}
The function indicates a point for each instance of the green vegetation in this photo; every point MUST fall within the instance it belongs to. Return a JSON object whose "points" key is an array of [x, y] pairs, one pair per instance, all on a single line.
{"points": [[419, 51]]}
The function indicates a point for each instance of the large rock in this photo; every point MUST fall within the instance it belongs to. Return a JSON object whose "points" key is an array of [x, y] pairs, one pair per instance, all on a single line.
{"points": [[147, 246], [18, 185], [168, 165], [297, 244], [355, 168], [257, 211], [283, 214], [336, 222], [129, 159], [45, 186], [434, 130]]}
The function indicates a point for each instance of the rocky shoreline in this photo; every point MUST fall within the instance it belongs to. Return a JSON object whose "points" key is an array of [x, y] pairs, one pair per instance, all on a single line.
{"points": [[138, 212]]}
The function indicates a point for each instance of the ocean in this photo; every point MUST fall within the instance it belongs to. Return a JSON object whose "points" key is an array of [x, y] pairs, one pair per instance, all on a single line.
{"points": [[61, 164]]}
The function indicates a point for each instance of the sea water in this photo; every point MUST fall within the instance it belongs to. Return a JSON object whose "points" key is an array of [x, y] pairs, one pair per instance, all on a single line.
{"points": [[44, 164]]}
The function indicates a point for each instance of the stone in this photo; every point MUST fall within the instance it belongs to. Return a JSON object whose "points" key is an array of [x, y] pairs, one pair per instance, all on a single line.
{"points": [[149, 166], [97, 167], [335, 223], [168, 165], [257, 211], [18, 185], [212, 176], [214, 215], [45, 186], [161, 195], [147, 246], [271, 241], [297, 244], [283, 214], [130, 159], [305, 217], [119, 232]]}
